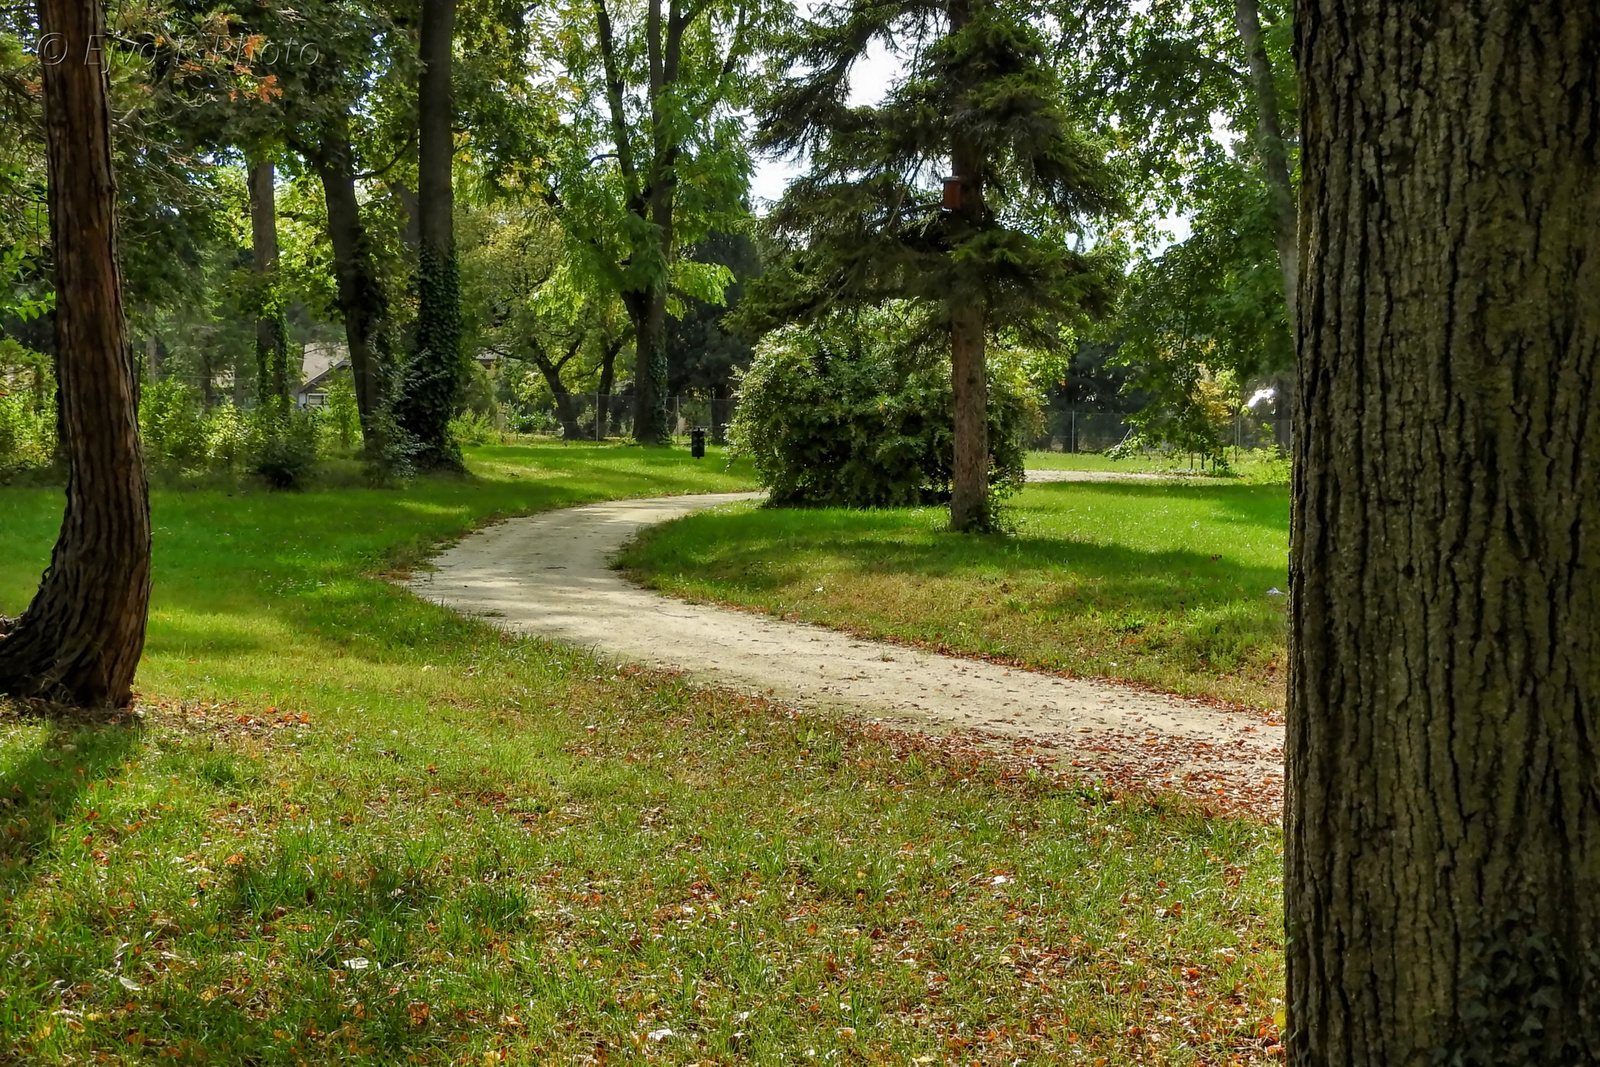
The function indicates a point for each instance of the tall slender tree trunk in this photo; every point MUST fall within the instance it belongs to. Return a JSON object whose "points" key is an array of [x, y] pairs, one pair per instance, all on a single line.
{"points": [[608, 380], [359, 294], [969, 481], [80, 639], [1443, 825], [663, 39], [272, 335], [434, 373], [1271, 147]]}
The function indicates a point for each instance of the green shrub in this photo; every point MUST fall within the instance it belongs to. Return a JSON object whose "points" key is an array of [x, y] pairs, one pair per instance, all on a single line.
{"points": [[171, 426], [848, 414], [284, 449], [229, 438], [474, 429], [27, 437], [340, 414]]}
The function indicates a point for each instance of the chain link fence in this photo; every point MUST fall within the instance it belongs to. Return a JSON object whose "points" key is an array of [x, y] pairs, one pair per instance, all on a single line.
{"points": [[600, 416], [1071, 430]]}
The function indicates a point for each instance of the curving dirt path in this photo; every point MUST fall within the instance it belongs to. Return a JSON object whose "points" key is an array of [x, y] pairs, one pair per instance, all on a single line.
{"points": [[549, 575]]}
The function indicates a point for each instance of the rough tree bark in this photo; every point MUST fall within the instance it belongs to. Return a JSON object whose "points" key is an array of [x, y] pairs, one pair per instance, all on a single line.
{"points": [[272, 335], [80, 639], [969, 481], [433, 375], [1443, 824]]}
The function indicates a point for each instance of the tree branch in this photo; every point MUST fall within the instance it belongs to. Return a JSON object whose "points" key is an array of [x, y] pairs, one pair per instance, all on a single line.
{"points": [[619, 117]]}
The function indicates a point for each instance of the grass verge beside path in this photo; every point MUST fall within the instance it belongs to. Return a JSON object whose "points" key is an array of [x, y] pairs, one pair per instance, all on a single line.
{"points": [[354, 827], [1164, 584]]}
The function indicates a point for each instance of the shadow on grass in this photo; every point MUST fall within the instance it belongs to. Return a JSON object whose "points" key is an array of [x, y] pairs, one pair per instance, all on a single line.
{"points": [[38, 791], [749, 549]]}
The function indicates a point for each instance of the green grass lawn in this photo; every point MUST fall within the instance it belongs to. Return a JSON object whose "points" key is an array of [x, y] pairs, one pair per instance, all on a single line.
{"points": [[354, 827], [1165, 584]]}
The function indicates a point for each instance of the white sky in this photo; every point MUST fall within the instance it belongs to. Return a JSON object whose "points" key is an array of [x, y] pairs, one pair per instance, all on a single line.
{"points": [[870, 79]]}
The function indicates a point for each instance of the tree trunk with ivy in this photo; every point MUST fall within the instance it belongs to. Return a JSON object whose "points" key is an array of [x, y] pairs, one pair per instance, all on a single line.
{"points": [[80, 639], [1443, 822], [434, 373], [272, 335]]}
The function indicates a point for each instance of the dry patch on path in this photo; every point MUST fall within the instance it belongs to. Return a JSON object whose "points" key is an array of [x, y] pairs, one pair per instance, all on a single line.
{"points": [[550, 575]]}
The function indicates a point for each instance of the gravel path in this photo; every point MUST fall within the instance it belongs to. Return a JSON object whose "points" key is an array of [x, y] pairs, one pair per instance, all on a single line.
{"points": [[549, 575]]}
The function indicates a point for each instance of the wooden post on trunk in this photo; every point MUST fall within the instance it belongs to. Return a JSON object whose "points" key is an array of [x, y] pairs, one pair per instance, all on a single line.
{"points": [[80, 639], [1443, 824]]}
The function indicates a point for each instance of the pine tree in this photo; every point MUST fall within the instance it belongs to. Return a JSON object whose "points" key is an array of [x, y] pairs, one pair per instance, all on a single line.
{"points": [[996, 244]]}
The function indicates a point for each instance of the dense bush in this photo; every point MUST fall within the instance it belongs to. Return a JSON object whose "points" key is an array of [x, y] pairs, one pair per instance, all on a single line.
{"points": [[340, 413], [285, 450], [27, 436], [171, 426], [473, 429], [282, 449], [847, 414]]}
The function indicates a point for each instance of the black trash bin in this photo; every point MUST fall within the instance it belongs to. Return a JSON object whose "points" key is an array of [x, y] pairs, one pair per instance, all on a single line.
{"points": [[697, 442]]}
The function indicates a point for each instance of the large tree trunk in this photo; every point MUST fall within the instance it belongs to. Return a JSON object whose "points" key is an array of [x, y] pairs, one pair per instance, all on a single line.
{"points": [[433, 376], [80, 639], [1271, 148], [272, 335], [650, 366], [359, 294], [1443, 826]]}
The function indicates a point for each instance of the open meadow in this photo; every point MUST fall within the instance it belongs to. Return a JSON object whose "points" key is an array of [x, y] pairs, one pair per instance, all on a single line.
{"points": [[349, 826]]}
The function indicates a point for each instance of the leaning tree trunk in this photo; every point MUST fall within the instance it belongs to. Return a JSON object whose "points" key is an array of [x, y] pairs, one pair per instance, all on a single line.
{"points": [[608, 378], [359, 293], [1443, 825], [272, 335], [433, 376], [79, 641]]}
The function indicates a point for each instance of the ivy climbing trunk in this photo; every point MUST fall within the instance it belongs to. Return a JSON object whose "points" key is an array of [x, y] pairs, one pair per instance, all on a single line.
{"points": [[272, 335], [1443, 826], [650, 367], [969, 481], [434, 372], [80, 639], [359, 293]]}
